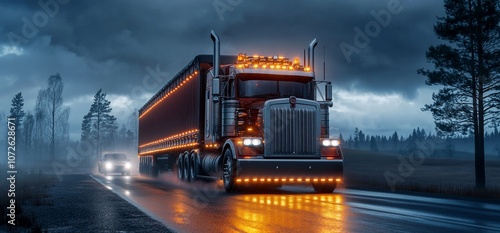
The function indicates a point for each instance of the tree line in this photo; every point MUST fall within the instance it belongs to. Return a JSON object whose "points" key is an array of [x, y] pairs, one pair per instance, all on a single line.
{"points": [[445, 146], [42, 134]]}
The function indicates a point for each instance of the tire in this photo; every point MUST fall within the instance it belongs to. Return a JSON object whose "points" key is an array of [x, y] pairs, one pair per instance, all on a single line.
{"points": [[193, 167], [229, 171], [180, 167], [324, 188], [187, 168]]}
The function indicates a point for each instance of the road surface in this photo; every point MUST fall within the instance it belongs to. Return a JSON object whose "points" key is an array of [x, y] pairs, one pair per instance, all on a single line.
{"points": [[205, 207]]}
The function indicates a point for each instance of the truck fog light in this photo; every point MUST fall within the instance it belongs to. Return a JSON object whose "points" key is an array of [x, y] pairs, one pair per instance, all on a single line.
{"points": [[127, 165]]}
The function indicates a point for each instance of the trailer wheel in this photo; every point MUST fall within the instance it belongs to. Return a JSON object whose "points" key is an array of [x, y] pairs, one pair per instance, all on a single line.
{"points": [[229, 175], [324, 188], [187, 168], [193, 167], [180, 167]]}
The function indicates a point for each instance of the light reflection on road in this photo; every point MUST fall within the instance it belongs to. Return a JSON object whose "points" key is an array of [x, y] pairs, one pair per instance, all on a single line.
{"points": [[263, 212]]}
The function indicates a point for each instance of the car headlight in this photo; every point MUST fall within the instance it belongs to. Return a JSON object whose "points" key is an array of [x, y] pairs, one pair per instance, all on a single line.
{"points": [[127, 165], [252, 141], [330, 142], [109, 165]]}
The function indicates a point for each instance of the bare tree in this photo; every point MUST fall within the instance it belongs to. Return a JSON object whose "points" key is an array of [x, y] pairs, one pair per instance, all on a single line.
{"points": [[51, 116], [29, 123]]}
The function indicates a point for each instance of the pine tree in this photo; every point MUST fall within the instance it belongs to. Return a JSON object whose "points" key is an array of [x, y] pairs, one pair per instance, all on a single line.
{"points": [[356, 138], [468, 68], [102, 124], [373, 144], [395, 140], [16, 111]]}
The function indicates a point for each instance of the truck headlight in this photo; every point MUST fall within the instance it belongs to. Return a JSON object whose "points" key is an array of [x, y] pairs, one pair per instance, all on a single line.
{"points": [[252, 141], [331, 142], [256, 142], [109, 165], [127, 165]]}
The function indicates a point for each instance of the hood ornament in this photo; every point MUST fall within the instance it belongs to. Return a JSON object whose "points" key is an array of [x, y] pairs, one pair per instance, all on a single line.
{"points": [[293, 101]]}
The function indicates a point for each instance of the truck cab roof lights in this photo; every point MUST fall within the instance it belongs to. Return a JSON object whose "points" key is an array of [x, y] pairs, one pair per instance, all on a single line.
{"points": [[274, 62]]}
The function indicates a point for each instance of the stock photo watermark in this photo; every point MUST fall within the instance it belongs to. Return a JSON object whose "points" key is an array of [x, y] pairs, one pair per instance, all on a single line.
{"points": [[31, 26], [11, 170], [223, 6], [408, 164], [362, 38]]}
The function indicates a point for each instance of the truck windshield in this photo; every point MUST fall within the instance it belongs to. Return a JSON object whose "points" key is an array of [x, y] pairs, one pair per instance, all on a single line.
{"points": [[271, 89]]}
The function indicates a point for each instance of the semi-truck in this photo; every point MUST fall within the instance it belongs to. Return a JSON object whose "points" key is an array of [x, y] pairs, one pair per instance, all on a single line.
{"points": [[248, 120]]}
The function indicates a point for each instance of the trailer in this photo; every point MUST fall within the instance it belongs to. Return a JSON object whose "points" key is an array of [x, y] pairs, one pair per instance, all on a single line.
{"points": [[247, 120]]}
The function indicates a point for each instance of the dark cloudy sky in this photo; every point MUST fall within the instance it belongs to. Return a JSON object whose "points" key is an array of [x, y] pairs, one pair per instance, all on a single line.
{"points": [[112, 44]]}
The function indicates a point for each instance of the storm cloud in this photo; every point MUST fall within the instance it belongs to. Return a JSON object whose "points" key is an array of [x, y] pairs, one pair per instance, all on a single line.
{"points": [[113, 45]]}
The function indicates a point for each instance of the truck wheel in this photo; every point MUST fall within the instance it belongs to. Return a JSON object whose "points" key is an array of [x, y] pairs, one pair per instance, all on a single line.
{"points": [[180, 167], [193, 166], [229, 175], [187, 168], [324, 188]]}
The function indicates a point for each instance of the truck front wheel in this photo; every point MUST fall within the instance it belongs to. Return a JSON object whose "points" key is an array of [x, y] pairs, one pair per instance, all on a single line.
{"points": [[229, 175]]}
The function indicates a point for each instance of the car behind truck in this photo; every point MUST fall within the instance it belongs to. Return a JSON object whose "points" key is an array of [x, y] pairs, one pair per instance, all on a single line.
{"points": [[248, 120]]}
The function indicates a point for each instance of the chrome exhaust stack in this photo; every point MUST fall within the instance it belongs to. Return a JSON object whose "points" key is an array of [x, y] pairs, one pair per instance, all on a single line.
{"points": [[216, 56], [216, 66], [310, 54]]}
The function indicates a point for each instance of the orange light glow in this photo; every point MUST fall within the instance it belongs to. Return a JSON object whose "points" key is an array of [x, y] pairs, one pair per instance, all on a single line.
{"points": [[238, 180], [157, 101], [338, 179]]}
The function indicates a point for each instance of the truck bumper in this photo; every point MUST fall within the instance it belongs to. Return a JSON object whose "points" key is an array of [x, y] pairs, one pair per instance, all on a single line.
{"points": [[289, 169]]}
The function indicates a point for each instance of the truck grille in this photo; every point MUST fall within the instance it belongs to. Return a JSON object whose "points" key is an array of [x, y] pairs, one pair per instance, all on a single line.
{"points": [[292, 132]]}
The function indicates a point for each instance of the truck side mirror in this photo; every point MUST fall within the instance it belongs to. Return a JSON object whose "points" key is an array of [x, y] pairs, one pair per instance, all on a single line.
{"points": [[215, 87], [328, 91]]}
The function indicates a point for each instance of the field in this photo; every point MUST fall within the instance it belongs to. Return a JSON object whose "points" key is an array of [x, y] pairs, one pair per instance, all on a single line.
{"points": [[364, 169]]}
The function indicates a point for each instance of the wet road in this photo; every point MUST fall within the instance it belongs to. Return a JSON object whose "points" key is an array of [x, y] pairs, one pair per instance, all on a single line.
{"points": [[205, 207]]}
